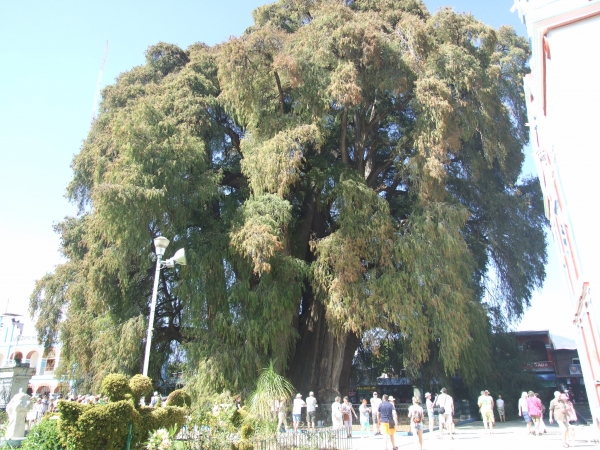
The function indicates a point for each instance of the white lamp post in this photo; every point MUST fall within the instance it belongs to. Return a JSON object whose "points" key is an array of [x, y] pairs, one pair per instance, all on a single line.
{"points": [[160, 244]]}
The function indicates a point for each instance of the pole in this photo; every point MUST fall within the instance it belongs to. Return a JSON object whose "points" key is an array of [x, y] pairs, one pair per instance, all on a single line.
{"points": [[151, 319]]}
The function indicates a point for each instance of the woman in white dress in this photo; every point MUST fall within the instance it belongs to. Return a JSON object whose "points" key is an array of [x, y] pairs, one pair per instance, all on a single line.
{"points": [[336, 414]]}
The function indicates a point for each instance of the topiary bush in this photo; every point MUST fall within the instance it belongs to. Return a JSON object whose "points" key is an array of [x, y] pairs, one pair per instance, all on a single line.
{"points": [[69, 413], [140, 386], [103, 426], [106, 427], [179, 398], [116, 387], [152, 419], [44, 436]]}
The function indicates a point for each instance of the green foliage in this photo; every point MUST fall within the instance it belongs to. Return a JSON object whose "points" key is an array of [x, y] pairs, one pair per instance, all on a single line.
{"points": [[69, 416], [161, 439], [179, 398], [339, 165], [116, 386], [151, 419], [43, 436], [140, 386], [107, 426], [269, 386]]}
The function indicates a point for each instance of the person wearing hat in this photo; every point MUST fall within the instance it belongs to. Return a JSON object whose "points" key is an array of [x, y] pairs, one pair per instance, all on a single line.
{"points": [[445, 418], [311, 410], [297, 411], [375, 403], [430, 415], [486, 406]]}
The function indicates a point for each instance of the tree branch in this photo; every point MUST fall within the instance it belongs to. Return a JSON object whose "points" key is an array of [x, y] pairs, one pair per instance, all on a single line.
{"points": [[343, 142], [281, 99]]}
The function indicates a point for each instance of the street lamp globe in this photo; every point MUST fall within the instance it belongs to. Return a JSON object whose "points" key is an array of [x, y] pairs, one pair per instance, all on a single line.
{"points": [[160, 244]]}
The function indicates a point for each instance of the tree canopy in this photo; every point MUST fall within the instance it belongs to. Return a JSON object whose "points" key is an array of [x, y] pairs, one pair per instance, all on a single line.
{"points": [[341, 167]]}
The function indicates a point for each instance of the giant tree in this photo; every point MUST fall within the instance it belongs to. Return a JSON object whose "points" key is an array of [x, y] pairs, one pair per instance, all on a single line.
{"points": [[342, 167]]}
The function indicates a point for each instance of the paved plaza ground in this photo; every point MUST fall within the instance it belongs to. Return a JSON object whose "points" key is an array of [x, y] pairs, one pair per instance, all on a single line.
{"points": [[507, 436]]}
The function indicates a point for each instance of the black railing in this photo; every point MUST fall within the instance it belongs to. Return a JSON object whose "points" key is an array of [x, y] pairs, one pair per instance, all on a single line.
{"points": [[320, 439]]}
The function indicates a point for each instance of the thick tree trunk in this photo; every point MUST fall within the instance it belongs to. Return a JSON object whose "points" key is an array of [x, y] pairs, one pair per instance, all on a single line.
{"points": [[322, 361]]}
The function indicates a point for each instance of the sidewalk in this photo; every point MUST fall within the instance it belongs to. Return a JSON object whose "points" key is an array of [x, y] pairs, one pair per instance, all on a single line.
{"points": [[507, 436]]}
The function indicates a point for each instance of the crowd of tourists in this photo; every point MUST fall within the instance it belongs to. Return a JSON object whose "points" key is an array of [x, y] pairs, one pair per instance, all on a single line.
{"points": [[561, 410], [380, 413]]}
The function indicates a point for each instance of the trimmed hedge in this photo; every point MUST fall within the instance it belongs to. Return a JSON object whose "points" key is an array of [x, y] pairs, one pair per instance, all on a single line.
{"points": [[140, 386], [152, 419], [179, 398], [98, 427], [106, 427], [116, 387]]}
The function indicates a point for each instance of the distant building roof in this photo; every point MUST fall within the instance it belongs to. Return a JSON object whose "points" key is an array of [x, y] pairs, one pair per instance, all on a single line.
{"points": [[563, 343]]}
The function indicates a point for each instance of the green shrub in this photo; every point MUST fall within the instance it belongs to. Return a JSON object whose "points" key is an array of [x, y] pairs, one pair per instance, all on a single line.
{"points": [[140, 386], [69, 413], [247, 431], [104, 426], [152, 419], [116, 387], [179, 398], [43, 436]]}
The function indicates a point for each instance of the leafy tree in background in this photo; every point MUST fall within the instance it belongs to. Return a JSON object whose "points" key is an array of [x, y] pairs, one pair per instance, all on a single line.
{"points": [[343, 166]]}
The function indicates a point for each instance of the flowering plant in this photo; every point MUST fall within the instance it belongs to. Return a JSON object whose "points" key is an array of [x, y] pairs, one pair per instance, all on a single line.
{"points": [[161, 439]]}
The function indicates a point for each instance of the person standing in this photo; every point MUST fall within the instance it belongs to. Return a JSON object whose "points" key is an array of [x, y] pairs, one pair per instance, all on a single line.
{"points": [[500, 407], [429, 406], [487, 411], [385, 418], [523, 412], [364, 412], [558, 412], [154, 399], [297, 411], [415, 416], [481, 394], [311, 410], [280, 406], [542, 424], [336, 414], [392, 400], [571, 414], [347, 411], [534, 408], [375, 402], [446, 403]]}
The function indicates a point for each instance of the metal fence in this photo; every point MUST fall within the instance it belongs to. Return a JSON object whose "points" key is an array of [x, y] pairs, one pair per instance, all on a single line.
{"points": [[324, 415], [320, 439]]}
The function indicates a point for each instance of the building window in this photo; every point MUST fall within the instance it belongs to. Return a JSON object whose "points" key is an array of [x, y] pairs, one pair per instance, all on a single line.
{"points": [[50, 365]]}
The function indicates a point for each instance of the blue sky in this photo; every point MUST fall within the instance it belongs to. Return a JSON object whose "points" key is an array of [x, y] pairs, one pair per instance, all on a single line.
{"points": [[51, 54]]}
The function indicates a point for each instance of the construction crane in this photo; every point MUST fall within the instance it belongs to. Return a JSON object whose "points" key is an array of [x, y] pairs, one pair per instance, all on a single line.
{"points": [[95, 105]]}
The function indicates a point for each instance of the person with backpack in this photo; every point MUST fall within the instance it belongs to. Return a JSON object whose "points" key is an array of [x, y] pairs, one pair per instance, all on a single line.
{"points": [[415, 417], [444, 404]]}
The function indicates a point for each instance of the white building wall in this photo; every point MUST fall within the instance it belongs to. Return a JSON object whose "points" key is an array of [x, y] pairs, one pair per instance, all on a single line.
{"points": [[563, 102]]}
